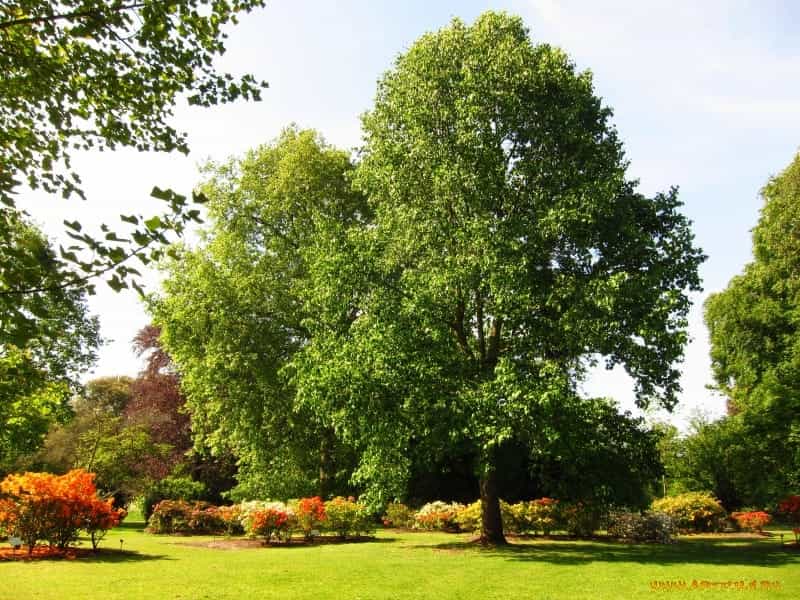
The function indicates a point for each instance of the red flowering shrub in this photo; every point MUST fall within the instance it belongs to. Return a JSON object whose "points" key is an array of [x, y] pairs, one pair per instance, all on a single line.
{"points": [[270, 522], [310, 514], [751, 521], [789, 508], [45, 507]]}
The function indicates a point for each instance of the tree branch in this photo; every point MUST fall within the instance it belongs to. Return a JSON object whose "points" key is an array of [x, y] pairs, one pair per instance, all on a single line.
{"points": [[73, 16]]}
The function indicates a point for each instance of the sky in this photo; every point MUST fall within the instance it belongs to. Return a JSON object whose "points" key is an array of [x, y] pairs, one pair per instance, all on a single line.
{"points": [[706, 97]]}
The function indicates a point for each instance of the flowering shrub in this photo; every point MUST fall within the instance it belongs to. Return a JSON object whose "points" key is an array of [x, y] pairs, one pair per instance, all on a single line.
{"points": [[580, 519], [439, 516], [398, 515], [53, 508], [231, 517], [248, 509], [310, 513], [468, 518], [789, 508], [752, 520], [101, 516], [180, 516], [345, 515], [692, 511], [648, 527], [542, 515], [271, 522]]}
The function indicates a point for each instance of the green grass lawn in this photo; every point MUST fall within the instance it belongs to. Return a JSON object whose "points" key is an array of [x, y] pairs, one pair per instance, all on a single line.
{"points": [[405, 565]]}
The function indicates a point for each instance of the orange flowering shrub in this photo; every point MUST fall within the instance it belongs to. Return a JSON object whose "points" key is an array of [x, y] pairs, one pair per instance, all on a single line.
{"points": [[310, 513], [45, 507], [751, 521], [270, 522]]}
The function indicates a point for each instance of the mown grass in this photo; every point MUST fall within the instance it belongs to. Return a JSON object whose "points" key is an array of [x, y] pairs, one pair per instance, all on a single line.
{"points": [[405, 565]]}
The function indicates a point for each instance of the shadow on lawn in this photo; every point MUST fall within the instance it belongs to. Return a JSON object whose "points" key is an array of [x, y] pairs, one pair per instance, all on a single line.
{"points": [[108, 555], [722, 552]]}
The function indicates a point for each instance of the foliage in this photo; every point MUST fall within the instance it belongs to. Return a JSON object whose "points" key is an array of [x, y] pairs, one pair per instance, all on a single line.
{"points": [[692, 511], [755, 351], [310, 515], [398, 515], [345, 516], [231, 315], [443, 516], [53, 508], [642, 527], [171, 488], [47, 340], [157, 403], [103, 74], [753, 520], [508, 251]]}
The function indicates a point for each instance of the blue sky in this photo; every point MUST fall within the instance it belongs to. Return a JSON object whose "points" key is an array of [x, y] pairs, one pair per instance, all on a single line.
{"points": [[706, 96]]}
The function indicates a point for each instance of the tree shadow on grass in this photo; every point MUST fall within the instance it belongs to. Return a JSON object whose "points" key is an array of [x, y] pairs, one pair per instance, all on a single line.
{"points": [[108, 555], [705, 551]]}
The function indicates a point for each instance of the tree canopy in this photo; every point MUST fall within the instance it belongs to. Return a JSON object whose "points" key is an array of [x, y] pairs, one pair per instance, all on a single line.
{"points": [[231, 315], [47, 340], [508, 252], [755, 346], [105, 74]]}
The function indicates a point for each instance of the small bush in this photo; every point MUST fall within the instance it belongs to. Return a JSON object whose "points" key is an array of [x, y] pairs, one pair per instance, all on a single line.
{"points": [[751, 520], [191, 518], [648, 527], [542, 515], [693, 511], [310, 515], [580, 519], [345, 516], [271, 522], [398, 515], [247, 511], [469, 518], [231, 517], [440, 516]]}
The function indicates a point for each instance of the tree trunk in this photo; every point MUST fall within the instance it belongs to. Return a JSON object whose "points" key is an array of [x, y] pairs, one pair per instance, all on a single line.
{"points": [[491, 520], [326, 465]]}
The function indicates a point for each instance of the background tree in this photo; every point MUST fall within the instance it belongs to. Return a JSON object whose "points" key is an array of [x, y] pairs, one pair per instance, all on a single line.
{"points": [[508, 252], [97, 438], [231, 317], [97, 74], [755, 346]]}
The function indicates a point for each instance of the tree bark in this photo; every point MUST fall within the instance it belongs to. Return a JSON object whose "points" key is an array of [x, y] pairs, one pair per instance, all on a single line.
{"points": [[491, 520]]}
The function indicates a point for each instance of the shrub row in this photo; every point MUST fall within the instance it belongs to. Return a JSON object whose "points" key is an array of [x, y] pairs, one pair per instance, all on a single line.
{"points": [[37, 507], [268, 520], [542, 515]]}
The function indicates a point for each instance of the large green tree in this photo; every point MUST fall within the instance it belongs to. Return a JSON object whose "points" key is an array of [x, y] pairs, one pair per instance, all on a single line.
{"points": [[755, 342], [231, 316], [508, 252], [47, 340], [103, 74]]}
